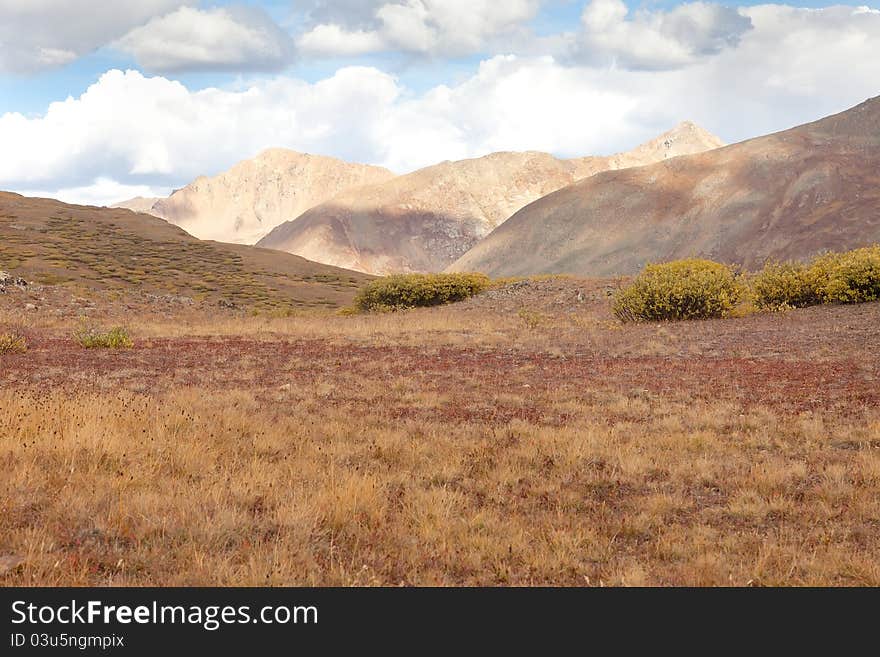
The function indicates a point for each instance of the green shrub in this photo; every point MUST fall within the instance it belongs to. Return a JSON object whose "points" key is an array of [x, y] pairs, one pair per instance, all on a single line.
{"points": [[683, 289], [418, 290], [788, 285], [92, 338], [850, 277], [530, 318], [12, 343]]}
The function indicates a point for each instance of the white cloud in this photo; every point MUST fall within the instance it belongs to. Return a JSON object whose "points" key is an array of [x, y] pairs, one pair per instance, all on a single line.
{"points": [[794, 66], [154, 131], [439, 27], [512, 104], [40, 34], [657, 39], [223, 38], [609, 32], [136, 130], [103, 191], [333, 40]]}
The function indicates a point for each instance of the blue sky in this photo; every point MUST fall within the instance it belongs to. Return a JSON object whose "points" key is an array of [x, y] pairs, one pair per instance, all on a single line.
{"points": [[155, 92]]}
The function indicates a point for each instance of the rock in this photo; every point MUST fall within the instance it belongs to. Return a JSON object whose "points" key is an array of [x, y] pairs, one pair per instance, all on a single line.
{"points": [[8, 280], [29, 306], [169, 299], [9, 562]]}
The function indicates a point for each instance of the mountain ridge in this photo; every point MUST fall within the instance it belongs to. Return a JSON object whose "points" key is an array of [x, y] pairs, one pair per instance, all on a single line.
{"points": [[243, 203], [787, 195], [425, 220]]}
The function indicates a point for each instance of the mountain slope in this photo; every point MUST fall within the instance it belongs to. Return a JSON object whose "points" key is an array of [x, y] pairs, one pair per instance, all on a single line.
{"points": [[787, 195], [115, 249], [246, 202], [138, 204], [423, 221]]}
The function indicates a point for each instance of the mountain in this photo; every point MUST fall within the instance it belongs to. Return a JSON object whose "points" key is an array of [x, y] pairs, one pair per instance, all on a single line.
{"points": [[93, 248], [246, 202], [784, 196], [138, 204], [423, 221]]}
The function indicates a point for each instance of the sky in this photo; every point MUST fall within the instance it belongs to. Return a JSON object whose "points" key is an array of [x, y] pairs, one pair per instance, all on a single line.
{"points": [[103, 100]]}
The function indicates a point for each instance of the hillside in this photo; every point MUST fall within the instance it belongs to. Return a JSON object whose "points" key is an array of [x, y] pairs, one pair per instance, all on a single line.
{"points": [[784, 196], [423, 221], [90, 248], [243, 204], [138, 204]]}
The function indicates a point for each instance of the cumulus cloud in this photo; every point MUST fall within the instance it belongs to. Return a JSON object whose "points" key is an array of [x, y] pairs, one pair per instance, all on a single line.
{"points": [[222, 38], [440, 27], [41, 34], [103, 191], [656, 40], [154, 132], [512, 103], [332, 40]]}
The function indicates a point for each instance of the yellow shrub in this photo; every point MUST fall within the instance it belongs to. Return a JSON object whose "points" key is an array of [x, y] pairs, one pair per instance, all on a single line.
{"points": [[12, 343], [92, 338], [416, 290], [850, 277], [853, 277], [683, 289], [788, 285]]}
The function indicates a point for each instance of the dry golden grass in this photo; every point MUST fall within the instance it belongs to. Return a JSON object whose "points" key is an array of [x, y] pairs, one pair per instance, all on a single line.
{"points": [[191, 488], [474, 444]]}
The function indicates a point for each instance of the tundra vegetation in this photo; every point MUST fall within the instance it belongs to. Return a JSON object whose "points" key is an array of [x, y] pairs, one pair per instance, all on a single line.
{"points": [[851, 277], [702, 289], [443, 445], [91, 337], [403, 291], [12, 343], [683, 289]]}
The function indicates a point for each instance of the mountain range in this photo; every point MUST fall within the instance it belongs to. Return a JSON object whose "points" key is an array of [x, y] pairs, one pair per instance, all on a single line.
{"points": [[243, 204], [425, 220], [365, 218], [788, 195]]}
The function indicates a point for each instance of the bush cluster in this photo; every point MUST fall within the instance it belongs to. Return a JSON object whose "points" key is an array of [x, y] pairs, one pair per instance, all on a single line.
{"points": [[850, 277], [92, 338], [702, 289], [683, 289], [402, 291], [789, 284]]}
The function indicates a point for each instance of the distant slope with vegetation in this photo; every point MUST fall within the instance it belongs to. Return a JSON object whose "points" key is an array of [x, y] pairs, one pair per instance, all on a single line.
{"points": [[91, 248]]}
